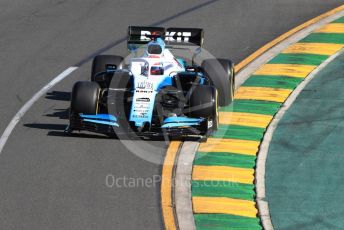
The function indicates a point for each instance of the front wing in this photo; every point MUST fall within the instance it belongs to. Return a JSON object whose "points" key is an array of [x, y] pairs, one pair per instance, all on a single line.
{"points": [[173, 127]]}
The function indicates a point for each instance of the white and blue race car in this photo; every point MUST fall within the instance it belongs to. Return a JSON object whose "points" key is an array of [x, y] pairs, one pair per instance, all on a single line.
{"points": [[155, 93]]}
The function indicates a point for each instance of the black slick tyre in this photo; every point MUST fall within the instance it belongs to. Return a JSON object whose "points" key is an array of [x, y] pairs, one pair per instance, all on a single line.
{"points": [[221, 74], [85, 97]]}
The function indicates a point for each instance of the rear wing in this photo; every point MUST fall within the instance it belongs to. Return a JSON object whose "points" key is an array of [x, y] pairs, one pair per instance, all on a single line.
{"points": [[172, 36]]}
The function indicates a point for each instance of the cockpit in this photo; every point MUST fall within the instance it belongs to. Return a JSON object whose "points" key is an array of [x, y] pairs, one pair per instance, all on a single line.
{"points": [[157, 70], [142, 67]]}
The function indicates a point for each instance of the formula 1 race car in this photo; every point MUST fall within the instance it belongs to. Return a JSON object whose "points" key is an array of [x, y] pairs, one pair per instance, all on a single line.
{"points": [[155, 93]]}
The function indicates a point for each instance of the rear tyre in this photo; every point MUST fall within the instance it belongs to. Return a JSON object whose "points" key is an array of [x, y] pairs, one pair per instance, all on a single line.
{"points": [[85, 97], [222, 75], [203, 102], [99, 65]]}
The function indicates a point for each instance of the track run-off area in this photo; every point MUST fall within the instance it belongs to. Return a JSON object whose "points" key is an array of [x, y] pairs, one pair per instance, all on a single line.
{"points": [[51, 181], [304, 175], [223, 185]]}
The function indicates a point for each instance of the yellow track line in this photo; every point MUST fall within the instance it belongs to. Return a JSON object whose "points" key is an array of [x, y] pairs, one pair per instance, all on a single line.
{"points": [[291, 70], [223, 173], [224, 205], [169, 216], [167, 184], [262, 93], [332, 28], [285, 36], [230, 145], [314, 48], [244, 119]]}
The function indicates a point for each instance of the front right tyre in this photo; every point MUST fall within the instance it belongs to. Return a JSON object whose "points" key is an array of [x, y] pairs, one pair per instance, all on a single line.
{"points": [[204, 103], [100, 64]]}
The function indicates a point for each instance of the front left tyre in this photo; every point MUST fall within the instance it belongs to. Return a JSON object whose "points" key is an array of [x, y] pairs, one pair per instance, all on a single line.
{"points": [[85, 98]]}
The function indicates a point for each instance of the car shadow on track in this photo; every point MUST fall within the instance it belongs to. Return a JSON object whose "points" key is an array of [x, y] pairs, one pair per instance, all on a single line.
{"points": [[58, 130], [58, 96], [59, 113]]}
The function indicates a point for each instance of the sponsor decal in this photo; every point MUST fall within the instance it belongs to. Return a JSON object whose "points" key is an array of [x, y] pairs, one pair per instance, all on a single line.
{"points": [[143, 99], [142, 111], [180, 36], [169, 36], [153, 56], [210, 123], [144, 91], [144, 85], [140, 116], [143, 35]]}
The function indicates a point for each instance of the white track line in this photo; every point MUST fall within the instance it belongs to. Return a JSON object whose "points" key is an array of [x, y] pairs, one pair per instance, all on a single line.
{"points": [[10, 127]]}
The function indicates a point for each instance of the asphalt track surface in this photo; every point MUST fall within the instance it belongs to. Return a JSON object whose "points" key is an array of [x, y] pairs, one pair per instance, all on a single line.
{"points": [[50, 181]]}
